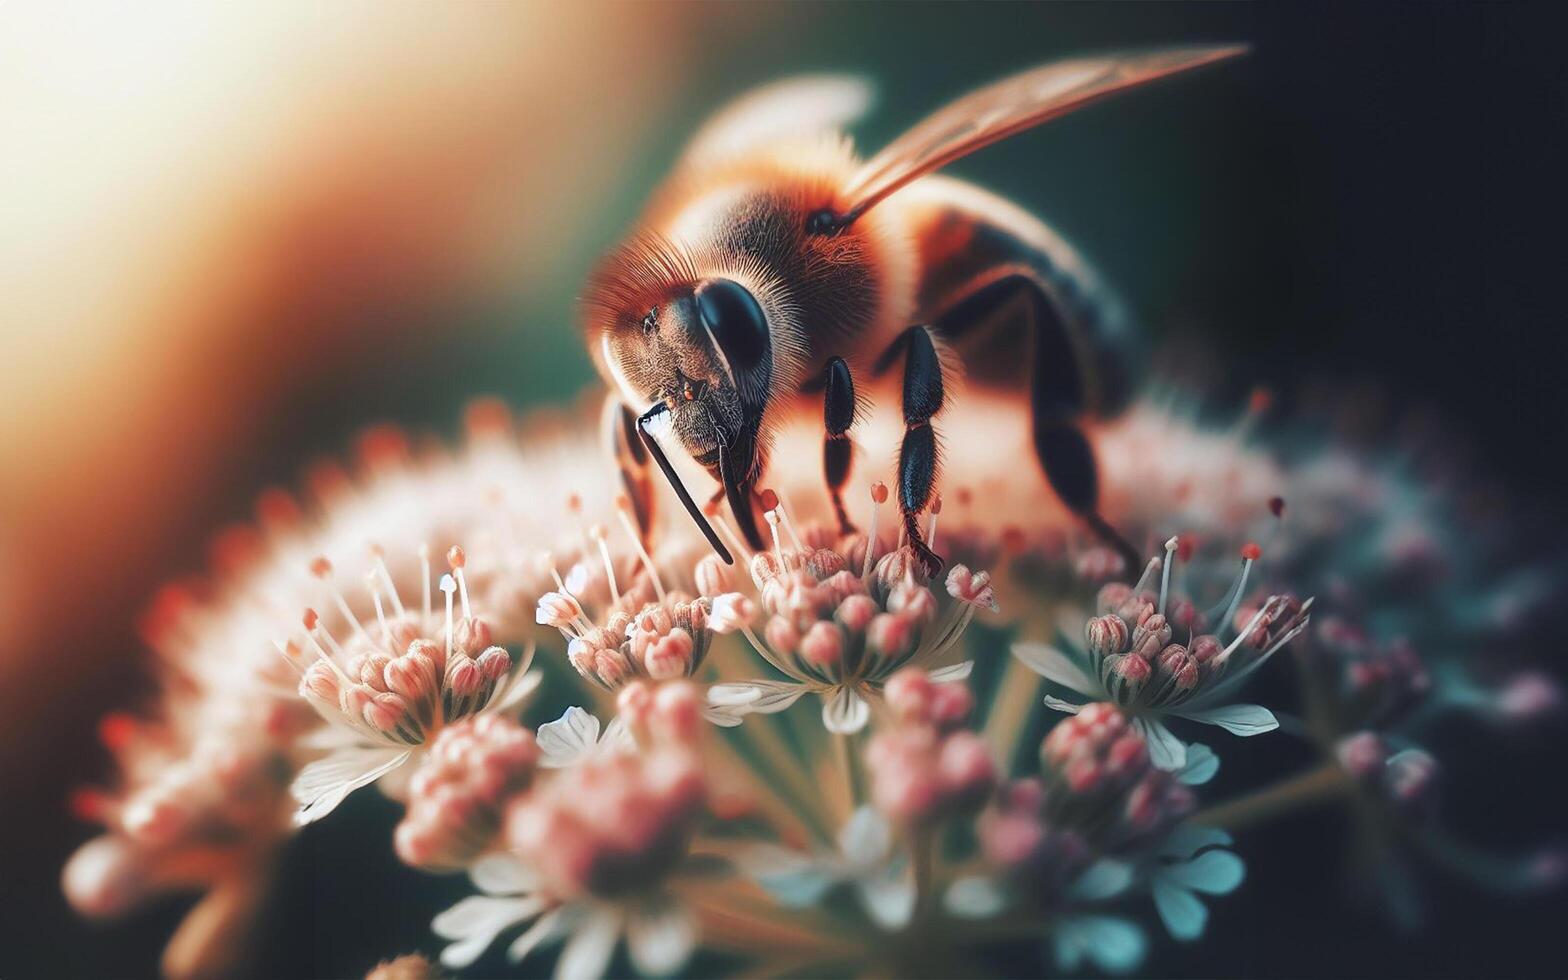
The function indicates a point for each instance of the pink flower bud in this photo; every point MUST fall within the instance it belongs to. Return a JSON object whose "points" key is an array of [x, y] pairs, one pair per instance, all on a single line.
{"points": [[677, 712], [1205, 648], [385, 712], [372, 670], [557, 609], [731, 612], [965, 766], [913, 602], [320, 682], [856, 612], [890, 635], [494, 664], [412, 676], [782, 634], [823, 563], [1150, 636], [908, 694], [581, 656], [635, 704], [1132, 669], [470, 635], [1362, 755], [973, 588], [462, 676], [950, 705], [823, 644], [1179, 666], [669, 656], [842, 585], [1105, 635]]}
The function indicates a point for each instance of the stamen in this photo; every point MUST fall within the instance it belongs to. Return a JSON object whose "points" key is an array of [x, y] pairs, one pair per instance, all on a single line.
{"points": [[1165, 576], [1249, 554], [621, 506], [1148, 571], [386, 577], [457, 560], [1266, 609], [936, 508], [878, 498], [583, 626], [381, 616], [322, 569], [424, 578], [789, 526], [448, 586], [771, 515], [599, 535]]}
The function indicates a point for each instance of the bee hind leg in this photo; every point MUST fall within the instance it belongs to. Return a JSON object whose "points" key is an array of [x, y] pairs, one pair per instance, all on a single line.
{"points": [[838, 414], [919, 456], [1059, 393]]}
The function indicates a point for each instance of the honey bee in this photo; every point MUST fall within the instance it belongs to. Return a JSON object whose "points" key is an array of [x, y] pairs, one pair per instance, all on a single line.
{"points": [[774, 267]]}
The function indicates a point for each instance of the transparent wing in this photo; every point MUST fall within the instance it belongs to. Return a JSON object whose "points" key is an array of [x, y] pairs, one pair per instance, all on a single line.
{"points": [[1013, 105], [803, 106]]}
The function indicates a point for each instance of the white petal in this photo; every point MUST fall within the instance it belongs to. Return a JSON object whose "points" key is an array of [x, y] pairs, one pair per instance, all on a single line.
{"points": [[1115, 945], [1190, 838], [1056, 666], [1103, 879], [1238, 719], [660, 936], [548, 927], [729, 695], [1057, 704], [1166, 751], [792, 878], [502, 874], [587, 954], [726, 717], [1181, 911], [1212, 872], [617, 735], [889, 897], [974, 898], [845, 712], [865, 837], [476, 921], [568, 739], [954, 672], [325, 783], [1201, 765]]}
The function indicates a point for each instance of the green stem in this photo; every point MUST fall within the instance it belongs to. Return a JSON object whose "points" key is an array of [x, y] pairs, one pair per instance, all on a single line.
{"points": [[1326, 782]]}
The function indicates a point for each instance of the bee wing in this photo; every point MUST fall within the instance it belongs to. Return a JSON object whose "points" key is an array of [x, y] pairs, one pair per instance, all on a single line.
{"points": [[794, 107], [1013, 105]]}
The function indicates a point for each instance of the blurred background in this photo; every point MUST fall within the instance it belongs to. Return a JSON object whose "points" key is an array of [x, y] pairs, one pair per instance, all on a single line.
{"points": [[235, 235]]}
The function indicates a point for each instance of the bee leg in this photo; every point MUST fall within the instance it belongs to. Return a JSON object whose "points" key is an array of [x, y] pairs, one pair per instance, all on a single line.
{"points": [[919, 456], [1058, 390], [838, 414], [619, 429]]}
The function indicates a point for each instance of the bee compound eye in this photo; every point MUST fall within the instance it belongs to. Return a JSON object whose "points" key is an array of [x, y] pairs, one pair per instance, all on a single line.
{"points": [[736, 320]]}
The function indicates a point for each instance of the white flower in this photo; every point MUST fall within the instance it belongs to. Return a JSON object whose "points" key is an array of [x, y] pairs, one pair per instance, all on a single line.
{"points": [[865, 860], [660, 932], [575, 736]]}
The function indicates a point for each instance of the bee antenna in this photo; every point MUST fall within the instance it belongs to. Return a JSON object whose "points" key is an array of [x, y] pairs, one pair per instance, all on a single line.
{"points": [[657, 452]]}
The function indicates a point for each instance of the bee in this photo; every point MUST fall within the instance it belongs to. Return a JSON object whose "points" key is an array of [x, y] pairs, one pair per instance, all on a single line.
{"points": [[774, 269]]}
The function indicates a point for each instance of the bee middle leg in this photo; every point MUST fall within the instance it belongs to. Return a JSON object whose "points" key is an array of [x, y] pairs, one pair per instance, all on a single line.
{"points": [[838, 414], [919, 457]]}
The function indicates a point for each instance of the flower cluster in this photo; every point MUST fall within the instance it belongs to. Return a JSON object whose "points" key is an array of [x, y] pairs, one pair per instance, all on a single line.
{"points": [[662, 831], [389, 692], [454, 811], [924, 767], [839, 628], [587, 853], [1131, 656]]}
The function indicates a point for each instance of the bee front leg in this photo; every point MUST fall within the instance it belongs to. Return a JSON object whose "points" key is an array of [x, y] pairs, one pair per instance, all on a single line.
{"points": [[838, 414], [920, 456], [618, 427]]}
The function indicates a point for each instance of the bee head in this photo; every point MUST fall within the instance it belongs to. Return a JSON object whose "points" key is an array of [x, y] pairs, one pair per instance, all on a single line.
{"points": [[698, 349]]}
